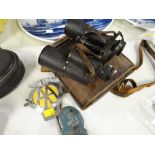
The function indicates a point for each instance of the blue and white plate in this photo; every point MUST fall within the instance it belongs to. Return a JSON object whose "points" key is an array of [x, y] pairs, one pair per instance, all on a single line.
{"points": [[51, 29], [147, 24]]}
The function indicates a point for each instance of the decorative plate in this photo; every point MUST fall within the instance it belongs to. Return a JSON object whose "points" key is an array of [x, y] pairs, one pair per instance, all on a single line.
{"points": [[147, 24], [51, 29]]}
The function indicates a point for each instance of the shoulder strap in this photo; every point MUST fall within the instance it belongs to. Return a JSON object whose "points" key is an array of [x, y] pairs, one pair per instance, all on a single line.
{"points": [[82, 51], [123, 89]]}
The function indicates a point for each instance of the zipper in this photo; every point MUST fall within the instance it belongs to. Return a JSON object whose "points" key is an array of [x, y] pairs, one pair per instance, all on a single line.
{"points": [[13, 67]]}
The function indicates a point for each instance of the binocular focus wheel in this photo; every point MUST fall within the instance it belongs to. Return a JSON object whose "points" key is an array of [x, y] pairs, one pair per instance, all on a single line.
{"points": [[106, 72]]}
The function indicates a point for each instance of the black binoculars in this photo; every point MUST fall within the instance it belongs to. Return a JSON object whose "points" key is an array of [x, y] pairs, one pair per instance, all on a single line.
{"points": [[103, 45], [84, 55]]}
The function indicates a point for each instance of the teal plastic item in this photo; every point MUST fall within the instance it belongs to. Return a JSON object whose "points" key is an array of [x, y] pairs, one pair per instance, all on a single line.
{"points": [[71, 122]]}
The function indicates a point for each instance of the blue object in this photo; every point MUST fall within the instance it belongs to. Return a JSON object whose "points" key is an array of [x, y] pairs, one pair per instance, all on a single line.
{"points": [[71, 122], [143, 21], [53, 29], [147, 24]]}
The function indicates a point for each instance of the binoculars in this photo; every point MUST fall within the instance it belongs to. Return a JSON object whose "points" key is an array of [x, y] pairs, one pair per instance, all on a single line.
{"points": [[84, 55], [103, 45]]}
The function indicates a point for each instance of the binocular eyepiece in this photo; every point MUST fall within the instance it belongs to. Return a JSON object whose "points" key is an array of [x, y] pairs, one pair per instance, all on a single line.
{"points": [[104, 45], [76, 27]]}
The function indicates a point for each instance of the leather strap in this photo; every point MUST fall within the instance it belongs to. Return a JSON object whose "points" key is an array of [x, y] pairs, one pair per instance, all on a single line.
{"points": [[82, 50], [123, 89]]}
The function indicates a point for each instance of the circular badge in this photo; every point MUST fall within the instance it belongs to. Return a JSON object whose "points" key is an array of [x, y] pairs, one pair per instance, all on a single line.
{"points": [[46, 97]]}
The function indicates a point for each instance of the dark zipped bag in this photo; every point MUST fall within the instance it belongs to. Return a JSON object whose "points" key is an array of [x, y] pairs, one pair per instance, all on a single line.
{"points": [[11, 71]]}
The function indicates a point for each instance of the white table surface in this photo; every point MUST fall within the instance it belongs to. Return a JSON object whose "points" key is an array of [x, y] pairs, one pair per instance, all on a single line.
{"points": [[109, 115]]}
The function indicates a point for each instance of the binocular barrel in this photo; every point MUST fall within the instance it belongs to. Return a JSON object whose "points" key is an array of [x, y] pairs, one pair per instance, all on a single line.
{"points": [[76, 27], [56, 60], [102, 44]]}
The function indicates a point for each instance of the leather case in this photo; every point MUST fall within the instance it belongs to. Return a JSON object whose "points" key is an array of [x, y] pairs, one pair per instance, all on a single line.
{"points": [[85, 95], [11, 71]]}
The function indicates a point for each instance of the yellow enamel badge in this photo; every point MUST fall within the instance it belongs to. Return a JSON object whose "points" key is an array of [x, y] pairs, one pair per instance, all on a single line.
{"points": [[46, 96]]}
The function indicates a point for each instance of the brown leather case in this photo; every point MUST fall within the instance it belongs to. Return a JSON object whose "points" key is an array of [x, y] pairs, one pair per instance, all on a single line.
{"points": [[85, 95]]}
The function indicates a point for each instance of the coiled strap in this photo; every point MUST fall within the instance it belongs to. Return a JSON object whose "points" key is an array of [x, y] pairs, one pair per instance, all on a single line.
{"points": [[129, 86]]}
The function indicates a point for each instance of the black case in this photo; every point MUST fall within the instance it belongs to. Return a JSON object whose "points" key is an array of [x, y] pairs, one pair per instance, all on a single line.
{"points": [[11, 71]]}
